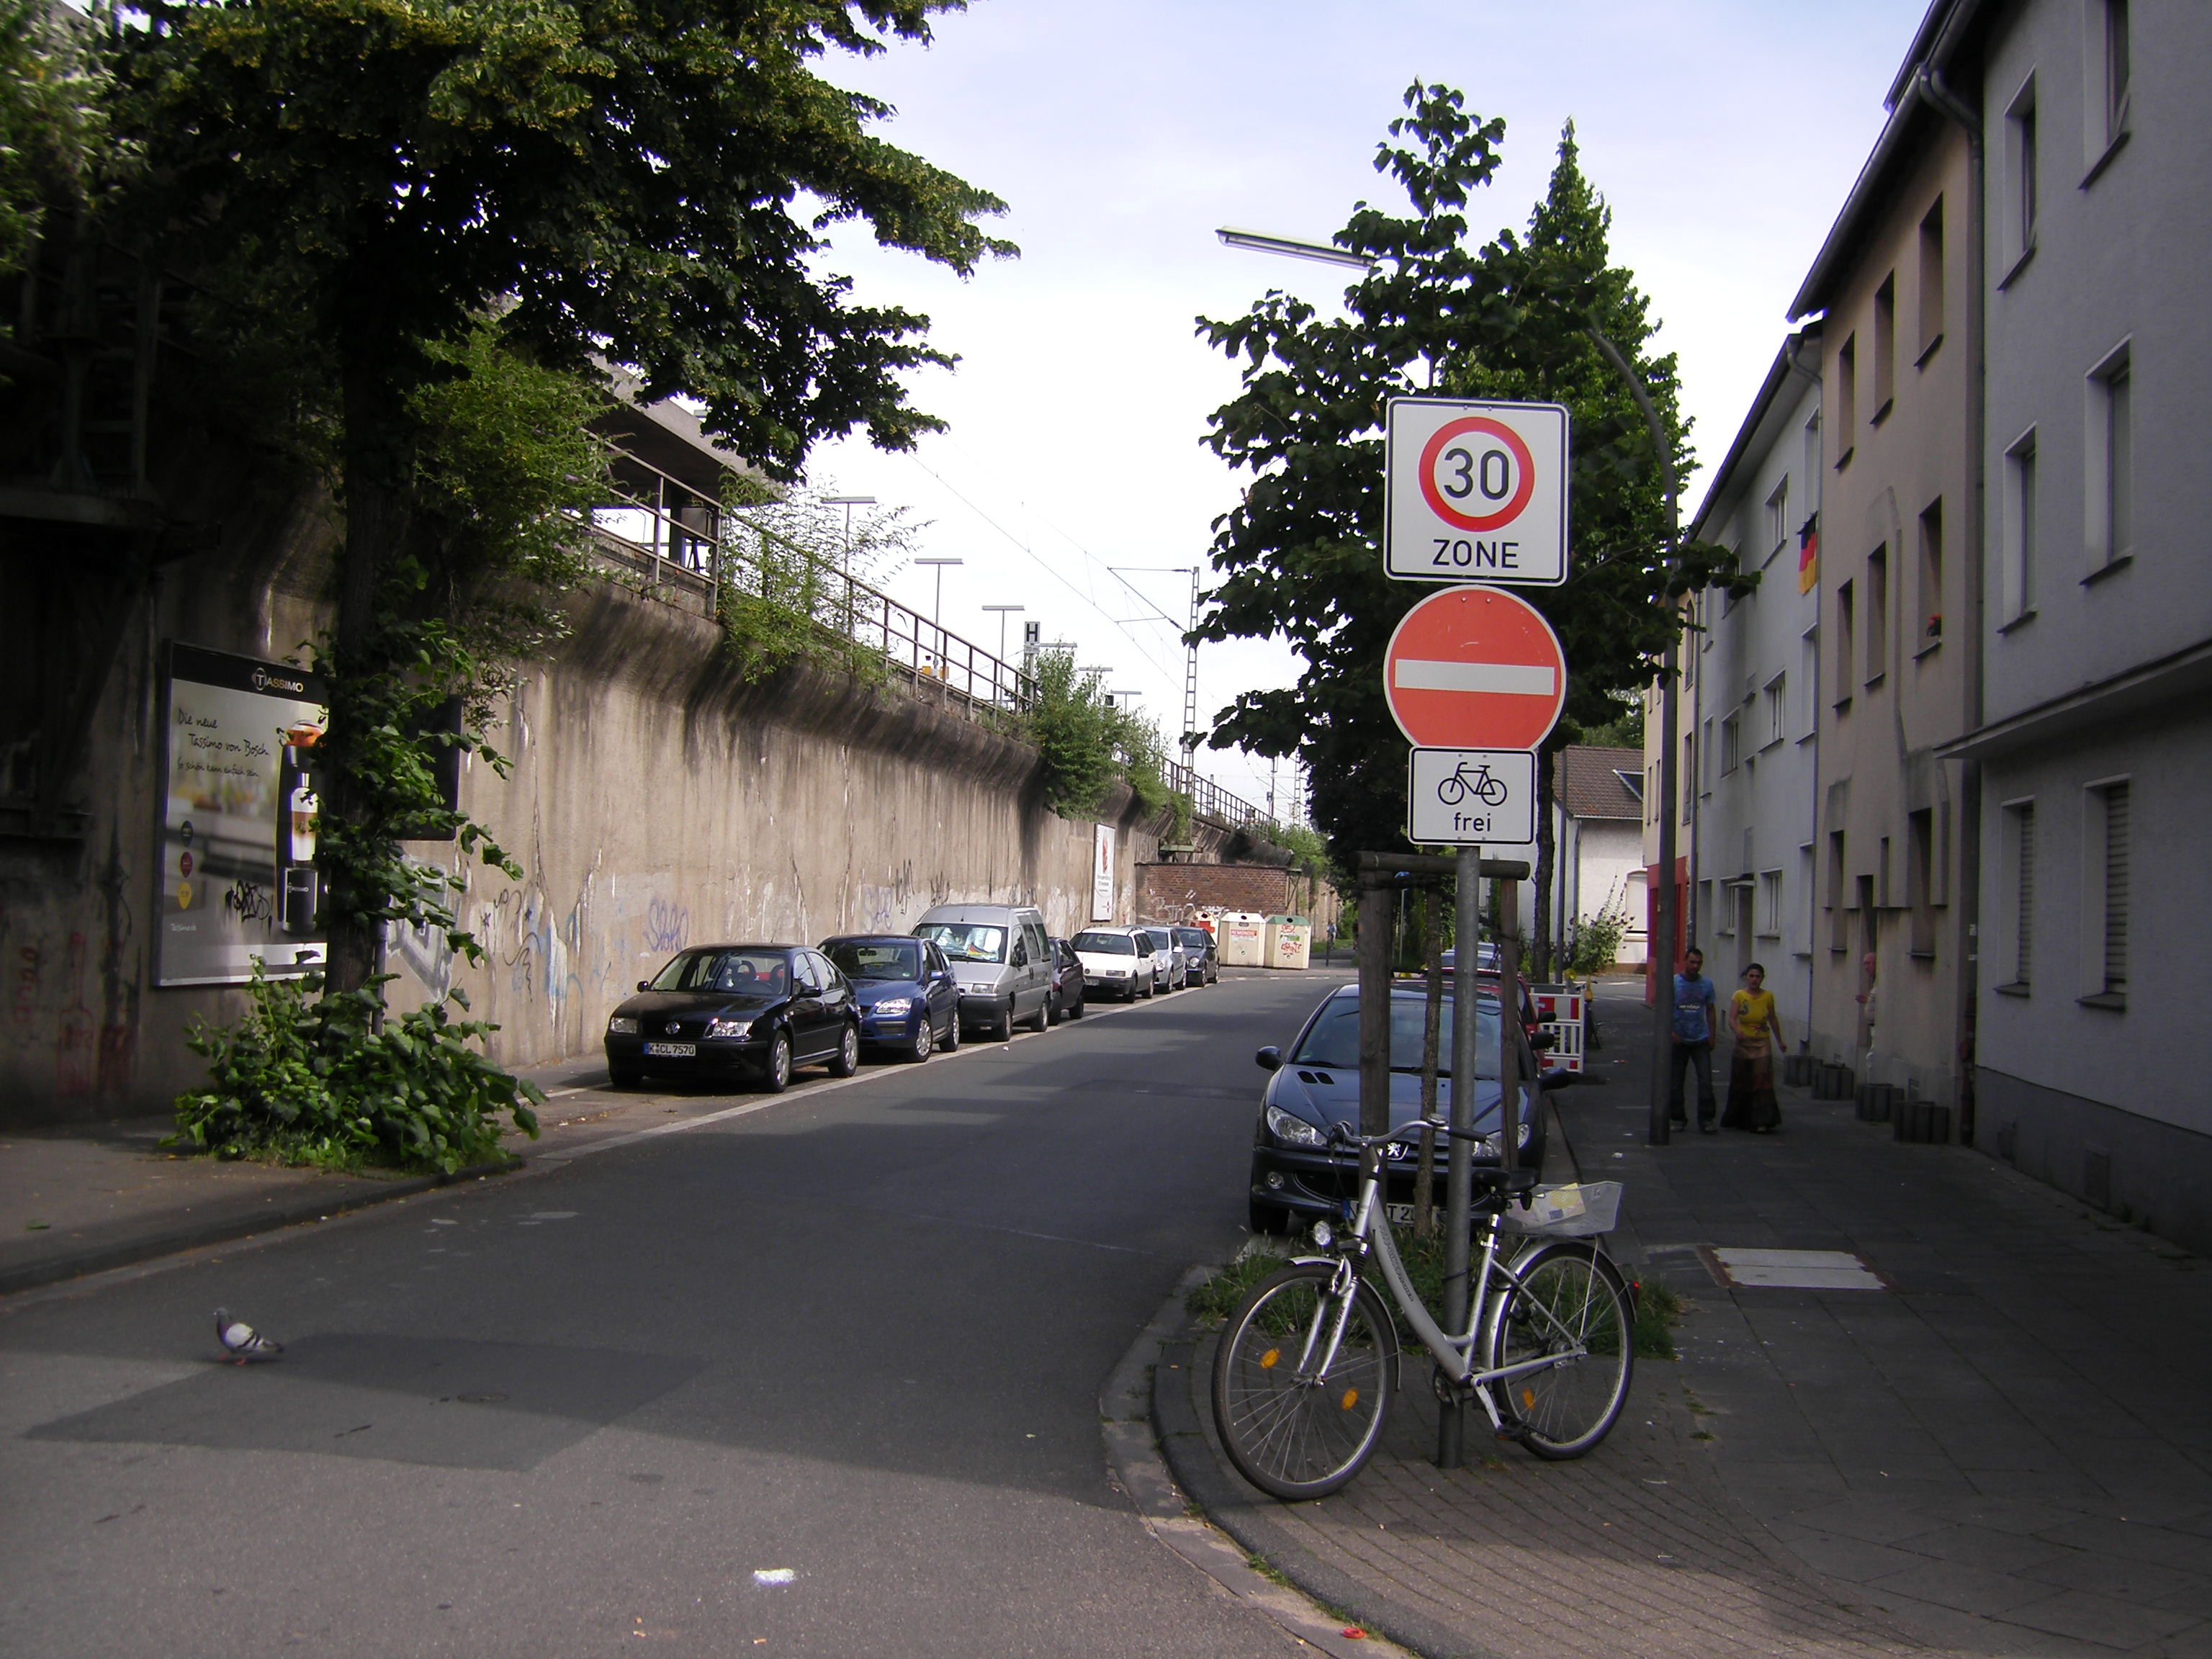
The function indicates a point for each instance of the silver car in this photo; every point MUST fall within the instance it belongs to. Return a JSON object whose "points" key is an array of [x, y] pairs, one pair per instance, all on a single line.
{"points": [[1002, 959], [1169, 966]]}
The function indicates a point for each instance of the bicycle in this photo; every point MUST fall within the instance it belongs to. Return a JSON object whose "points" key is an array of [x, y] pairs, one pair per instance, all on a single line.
{"points": [[1455, 789], [1308, 1359]]}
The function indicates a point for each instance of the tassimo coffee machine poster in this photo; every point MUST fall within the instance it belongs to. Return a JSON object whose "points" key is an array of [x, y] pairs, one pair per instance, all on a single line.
{"points": [[239, 883]]}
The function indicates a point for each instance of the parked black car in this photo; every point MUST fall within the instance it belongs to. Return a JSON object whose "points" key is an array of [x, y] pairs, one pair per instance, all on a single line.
{"points": [[730, 1010], [909, 1000], [1067, 984], [1298, 1173], [1201, 956]]}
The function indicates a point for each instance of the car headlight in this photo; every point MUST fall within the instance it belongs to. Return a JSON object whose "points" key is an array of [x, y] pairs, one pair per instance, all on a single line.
{"points": [[893, 1007], [1493, 1145], [1293, 1131], [728, 1028], [622, 1025]]}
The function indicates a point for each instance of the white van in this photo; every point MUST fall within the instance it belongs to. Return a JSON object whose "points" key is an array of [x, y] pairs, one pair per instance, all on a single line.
{"points": [[1003, 961]]}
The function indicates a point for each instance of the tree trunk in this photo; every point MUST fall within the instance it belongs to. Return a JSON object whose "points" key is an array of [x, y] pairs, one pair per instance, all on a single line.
{"points": [[1539, 952], [374, 457]]}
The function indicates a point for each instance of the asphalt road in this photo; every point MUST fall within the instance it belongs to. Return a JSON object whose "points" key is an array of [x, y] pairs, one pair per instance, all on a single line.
{"points": [[853, 1342]]}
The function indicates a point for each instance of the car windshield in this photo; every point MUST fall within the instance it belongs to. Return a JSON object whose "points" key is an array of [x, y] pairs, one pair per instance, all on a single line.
{"points": [[1197, 936], [744, 976], [967, 941], [901, 959], [1334, 1039], [1106, 944]]}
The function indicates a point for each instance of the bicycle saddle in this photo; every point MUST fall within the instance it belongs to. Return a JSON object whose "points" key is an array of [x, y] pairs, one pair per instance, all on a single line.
{"points": [[1505, 1181]]}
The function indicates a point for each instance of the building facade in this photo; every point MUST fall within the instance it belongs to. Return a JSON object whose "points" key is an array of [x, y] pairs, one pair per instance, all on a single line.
{"points": [[2094, 735], [1597, 812], [1754, 705]]}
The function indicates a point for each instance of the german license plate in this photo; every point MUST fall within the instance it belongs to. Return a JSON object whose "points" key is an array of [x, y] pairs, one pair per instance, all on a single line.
{"points": [[1402, 1215], [671, 1051]]}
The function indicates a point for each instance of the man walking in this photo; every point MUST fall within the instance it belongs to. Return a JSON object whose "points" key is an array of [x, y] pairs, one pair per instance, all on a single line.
{"points": [[1694, 999]]}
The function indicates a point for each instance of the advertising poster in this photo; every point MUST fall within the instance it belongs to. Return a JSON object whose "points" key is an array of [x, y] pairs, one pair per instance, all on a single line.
{"points": [[239, 884], [1101, 873]]}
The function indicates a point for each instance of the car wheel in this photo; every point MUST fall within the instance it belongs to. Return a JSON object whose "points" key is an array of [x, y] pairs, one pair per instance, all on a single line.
{"points": [[1051, 1009], [624, 1077], [1076, 1013], [1046, 1015], [775, 1071], [1002, 1023], [951, 1045], [1267, 1219], [846, 1060], [925, 1040]]}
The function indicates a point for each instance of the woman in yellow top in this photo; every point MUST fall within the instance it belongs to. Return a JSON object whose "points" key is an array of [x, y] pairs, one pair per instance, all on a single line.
{"points": [[1758, 1030]]}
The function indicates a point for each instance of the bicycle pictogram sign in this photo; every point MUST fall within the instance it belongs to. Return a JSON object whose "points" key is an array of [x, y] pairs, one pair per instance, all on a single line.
{"points": [[1471, 797]]}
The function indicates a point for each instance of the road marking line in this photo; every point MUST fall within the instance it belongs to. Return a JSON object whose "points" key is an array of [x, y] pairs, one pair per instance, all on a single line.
{"points": [[1514, 678]]}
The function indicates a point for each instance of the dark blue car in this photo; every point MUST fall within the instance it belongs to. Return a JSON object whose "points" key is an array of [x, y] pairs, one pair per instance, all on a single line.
{"points": [[1298, 1174], [909, 1000]]}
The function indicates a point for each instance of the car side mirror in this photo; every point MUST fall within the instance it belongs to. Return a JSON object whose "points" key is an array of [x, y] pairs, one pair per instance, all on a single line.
{"points": [[645, 985], [1269, 1058], [806, 988]]}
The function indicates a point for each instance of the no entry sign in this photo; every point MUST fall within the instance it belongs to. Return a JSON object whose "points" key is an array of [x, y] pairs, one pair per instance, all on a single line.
{"points": [[1475, 492], [1474, 668]]}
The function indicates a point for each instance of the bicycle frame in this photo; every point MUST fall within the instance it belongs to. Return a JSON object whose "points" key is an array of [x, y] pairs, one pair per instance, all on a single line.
{"points": [[1455, 1354]]}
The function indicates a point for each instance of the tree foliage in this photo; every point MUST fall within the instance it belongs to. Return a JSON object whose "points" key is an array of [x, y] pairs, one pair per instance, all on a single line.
{"points": [[1088, 743], [56, 152], [1300, 556]]}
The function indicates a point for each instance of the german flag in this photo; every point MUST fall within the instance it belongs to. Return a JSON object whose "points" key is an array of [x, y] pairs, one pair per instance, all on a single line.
{"points": [[1808, 554]]}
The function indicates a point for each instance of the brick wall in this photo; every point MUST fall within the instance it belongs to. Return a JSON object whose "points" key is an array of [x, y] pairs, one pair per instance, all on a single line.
{"points": [[1167, 892]]}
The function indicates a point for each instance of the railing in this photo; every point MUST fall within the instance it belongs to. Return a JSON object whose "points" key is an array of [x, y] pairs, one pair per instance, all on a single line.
{"points": [[688, 554]]}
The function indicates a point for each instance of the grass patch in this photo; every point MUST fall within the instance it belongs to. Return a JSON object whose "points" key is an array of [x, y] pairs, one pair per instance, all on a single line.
{"points": [[1216, 1299], [1658, 1310]]}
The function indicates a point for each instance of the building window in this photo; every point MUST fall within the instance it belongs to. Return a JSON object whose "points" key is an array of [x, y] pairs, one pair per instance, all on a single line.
{"points": [[1877, 614], [2016, 574], [2019, 866], [1920, 880], [1723, 924], [2112, 443], [1931, 575], [1882, 878], [1812, 462], [1774, 711], [1731, 743], [1630, 781], [1847, 397], [2023, 202], [1806, 854], [1840, 913], [1931, 280], [2109, 66], [2107, 877], [1778, 518], [1689, 773], [1846, 639], [1885, 349], [1770, 904], [1651, 794]]}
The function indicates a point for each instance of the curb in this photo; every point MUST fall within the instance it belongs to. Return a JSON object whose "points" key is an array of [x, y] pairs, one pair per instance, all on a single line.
{"points": [[124, 1253], [1244, 1515], [1128, 1409]]}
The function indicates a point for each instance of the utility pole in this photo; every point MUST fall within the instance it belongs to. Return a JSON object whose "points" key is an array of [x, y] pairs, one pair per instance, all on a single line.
{"points": [[1187, 742]]}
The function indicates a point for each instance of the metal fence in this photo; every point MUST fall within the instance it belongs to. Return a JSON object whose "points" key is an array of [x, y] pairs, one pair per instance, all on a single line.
{"points": [[687, 553]]}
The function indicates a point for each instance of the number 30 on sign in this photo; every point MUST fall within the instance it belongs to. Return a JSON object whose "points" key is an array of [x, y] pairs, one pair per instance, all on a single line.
{"points": [[1475, 492]]}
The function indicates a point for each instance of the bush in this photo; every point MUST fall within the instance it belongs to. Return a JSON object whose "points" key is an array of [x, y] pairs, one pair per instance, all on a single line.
{"points": [[1594, 942], [335, 1082]]}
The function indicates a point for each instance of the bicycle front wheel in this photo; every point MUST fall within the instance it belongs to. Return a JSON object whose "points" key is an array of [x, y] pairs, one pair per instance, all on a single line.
{"points": [[1569, 1302], [1298, 1421]]}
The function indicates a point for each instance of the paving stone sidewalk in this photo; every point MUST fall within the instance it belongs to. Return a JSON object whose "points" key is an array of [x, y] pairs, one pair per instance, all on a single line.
{"points": [[2009, 1451]]}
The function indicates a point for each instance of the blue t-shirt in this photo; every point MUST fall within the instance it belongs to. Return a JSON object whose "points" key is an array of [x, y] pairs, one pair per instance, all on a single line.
{"points": [[1693, 1007]]}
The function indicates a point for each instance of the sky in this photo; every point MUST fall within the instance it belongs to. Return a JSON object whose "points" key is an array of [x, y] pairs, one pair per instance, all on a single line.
{"points": [[1724, 135]]}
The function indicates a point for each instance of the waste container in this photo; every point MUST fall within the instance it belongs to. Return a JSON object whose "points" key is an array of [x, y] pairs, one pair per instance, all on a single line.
{"points": [[1289, 941], [1243, 938]]}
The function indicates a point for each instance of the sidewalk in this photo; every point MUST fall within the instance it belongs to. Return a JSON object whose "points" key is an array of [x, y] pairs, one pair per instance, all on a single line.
{"points": [[83, 1198], [2008, 1451]]}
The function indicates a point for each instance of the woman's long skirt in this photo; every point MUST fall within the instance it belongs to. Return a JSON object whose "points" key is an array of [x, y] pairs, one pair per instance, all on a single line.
{"points": [[1751, 1103]]}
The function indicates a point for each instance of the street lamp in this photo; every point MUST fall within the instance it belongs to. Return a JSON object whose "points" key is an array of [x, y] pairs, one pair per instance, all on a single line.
{"points": [[1258, 241], [1003, 609], [937, 607]]}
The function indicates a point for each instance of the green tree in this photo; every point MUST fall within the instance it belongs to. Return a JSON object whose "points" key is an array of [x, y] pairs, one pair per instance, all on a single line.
{"points": [[652, 184], [1513, 318], [54, 151]]}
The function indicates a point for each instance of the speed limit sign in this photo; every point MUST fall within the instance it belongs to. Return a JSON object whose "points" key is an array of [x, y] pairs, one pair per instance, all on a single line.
{"points": [[1475, 492]]}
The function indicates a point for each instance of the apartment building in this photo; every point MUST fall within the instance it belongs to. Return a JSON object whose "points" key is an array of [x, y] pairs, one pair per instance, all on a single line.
{"points": [[1753, 699]]}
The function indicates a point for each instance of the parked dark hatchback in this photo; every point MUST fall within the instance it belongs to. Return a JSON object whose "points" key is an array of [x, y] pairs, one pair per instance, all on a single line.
{"points": [[910, 1002], [1297, 1175], [1201, 957], [726, 1010]]}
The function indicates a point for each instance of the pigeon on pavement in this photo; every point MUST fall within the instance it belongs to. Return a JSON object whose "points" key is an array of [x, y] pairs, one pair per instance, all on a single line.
{"points": [[241, 1341]]}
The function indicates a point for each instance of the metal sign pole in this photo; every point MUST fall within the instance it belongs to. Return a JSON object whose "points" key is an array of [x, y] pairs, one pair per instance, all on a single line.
{"points": [[1509, 1010], [1459, 1169]]}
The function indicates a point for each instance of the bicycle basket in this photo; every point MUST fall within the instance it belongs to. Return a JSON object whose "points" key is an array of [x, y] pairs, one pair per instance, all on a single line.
{"points": [[1577, 1209]]}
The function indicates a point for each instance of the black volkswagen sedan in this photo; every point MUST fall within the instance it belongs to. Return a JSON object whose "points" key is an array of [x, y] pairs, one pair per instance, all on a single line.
{"points": [[729, 1010]]}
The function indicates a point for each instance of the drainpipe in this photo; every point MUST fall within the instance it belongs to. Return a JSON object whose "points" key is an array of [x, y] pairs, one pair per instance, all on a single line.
{"points": [[1929, 87]]}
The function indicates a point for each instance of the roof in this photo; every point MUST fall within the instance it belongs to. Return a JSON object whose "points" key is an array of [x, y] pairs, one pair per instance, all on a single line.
{"points": [[1587, 782], [1935, 44]]}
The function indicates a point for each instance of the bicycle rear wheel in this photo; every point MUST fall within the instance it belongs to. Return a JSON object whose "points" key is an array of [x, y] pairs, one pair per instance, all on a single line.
{"points": [[1293, 1429], [1570, 1298]]}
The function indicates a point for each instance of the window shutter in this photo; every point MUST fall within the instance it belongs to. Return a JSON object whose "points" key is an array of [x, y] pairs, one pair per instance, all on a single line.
{"points": [[2115, 888]]}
